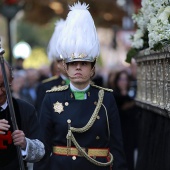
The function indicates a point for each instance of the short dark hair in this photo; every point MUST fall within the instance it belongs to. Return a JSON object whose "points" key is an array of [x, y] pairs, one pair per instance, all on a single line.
{"points": [[93, 63]]}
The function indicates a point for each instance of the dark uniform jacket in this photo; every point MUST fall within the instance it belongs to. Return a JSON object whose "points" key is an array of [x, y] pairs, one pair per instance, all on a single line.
{"points": [[47, 85], [55, 128], [28, 122]]}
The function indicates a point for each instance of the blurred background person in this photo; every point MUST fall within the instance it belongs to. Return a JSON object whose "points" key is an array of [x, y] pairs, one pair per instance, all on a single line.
{"points": [[18, 83], [44, 72], [19, 63], [28, 92], [110, 80], [58, 76], [127, 111]]}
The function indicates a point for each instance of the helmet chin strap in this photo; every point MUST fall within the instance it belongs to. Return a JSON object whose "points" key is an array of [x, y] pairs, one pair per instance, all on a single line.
{"points": [[74, 77]]}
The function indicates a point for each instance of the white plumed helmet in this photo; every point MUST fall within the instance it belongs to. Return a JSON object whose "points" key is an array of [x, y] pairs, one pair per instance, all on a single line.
{"points": [[52, 49], [78, 40]]}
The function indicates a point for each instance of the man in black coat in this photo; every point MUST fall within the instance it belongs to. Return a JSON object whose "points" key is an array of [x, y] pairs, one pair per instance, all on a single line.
{"points": [[26, 137]]}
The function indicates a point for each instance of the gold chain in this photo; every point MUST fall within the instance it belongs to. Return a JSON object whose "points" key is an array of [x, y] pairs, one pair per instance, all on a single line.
{"points": [[70, 136]]}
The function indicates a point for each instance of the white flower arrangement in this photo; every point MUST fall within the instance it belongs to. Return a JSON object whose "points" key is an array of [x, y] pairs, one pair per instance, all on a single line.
{"points": [[154, 18], [159, 28]]}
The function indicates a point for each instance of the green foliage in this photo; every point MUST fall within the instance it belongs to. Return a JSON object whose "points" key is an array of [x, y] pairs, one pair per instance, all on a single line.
{"points": [[146, 40], [160, 45], [131, 53]]}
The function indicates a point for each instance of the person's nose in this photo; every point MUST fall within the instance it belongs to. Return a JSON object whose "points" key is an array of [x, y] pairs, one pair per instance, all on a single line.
{"points": [[78, 66], [2, 89]]}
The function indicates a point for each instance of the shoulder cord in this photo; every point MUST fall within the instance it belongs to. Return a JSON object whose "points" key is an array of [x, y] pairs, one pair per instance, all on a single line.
{"points": [[108, 127], [93, 117], [71, 137]]}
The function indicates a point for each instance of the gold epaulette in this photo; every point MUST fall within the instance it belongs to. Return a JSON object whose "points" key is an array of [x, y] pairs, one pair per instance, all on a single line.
{"points": [[55, 89], [50, 79], [98, 87]]}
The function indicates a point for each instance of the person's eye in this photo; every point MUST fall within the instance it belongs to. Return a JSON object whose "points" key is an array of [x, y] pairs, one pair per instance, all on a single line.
{"points": [[2, 85], [72, 63], [84, 63]]}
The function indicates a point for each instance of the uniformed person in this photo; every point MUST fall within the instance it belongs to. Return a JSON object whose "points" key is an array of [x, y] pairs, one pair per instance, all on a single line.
{"points": [[80, 122], [55, 80]]}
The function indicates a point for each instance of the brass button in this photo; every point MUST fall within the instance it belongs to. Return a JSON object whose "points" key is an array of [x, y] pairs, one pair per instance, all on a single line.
{"points": [[97, 137], [73, 158], [95, 103], [88, 94], [66, 103], [98, 117], [68, 121], [63, 82]]}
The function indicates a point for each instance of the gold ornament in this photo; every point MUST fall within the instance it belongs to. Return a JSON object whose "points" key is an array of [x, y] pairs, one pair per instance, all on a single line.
{"points": [[58, 107]]}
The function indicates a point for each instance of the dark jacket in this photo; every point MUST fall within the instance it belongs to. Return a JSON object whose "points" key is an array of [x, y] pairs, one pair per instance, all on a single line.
{"points": [[55, 128], [27, 121]]}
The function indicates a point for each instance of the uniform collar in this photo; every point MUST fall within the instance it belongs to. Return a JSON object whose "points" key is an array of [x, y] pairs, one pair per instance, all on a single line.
{"points": [[4, 106], [73, 88]]}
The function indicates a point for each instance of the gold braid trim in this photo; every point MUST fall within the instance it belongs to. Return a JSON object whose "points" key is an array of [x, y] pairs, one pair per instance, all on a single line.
{"points": [[70, 136], [93, 117], [98, 87], [83, 153], [50, 79], [55, 89]]}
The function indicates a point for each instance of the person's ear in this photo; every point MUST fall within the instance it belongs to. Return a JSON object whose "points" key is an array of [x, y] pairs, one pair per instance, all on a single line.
{"points": [[92, 72]]}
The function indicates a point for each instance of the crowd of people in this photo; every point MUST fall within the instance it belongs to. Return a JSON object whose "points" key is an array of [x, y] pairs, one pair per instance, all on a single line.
{"points": [[86, 121]]}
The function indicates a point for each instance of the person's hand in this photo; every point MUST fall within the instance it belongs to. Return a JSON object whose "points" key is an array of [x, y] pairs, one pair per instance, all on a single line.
{"points": [[4, 126], [18, 137]]}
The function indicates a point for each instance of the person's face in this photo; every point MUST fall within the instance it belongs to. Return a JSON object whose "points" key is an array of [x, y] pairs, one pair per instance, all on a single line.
{"points": [[55, 70], [123, 81], [2, 86], [61, 66], [80, 72]]}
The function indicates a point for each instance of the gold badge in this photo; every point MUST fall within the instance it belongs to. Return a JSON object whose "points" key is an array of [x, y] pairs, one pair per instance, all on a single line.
{"points": [[58, 107]]}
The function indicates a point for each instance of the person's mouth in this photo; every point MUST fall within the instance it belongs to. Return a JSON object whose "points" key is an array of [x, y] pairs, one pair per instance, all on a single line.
{"points": [[78, 74]]}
